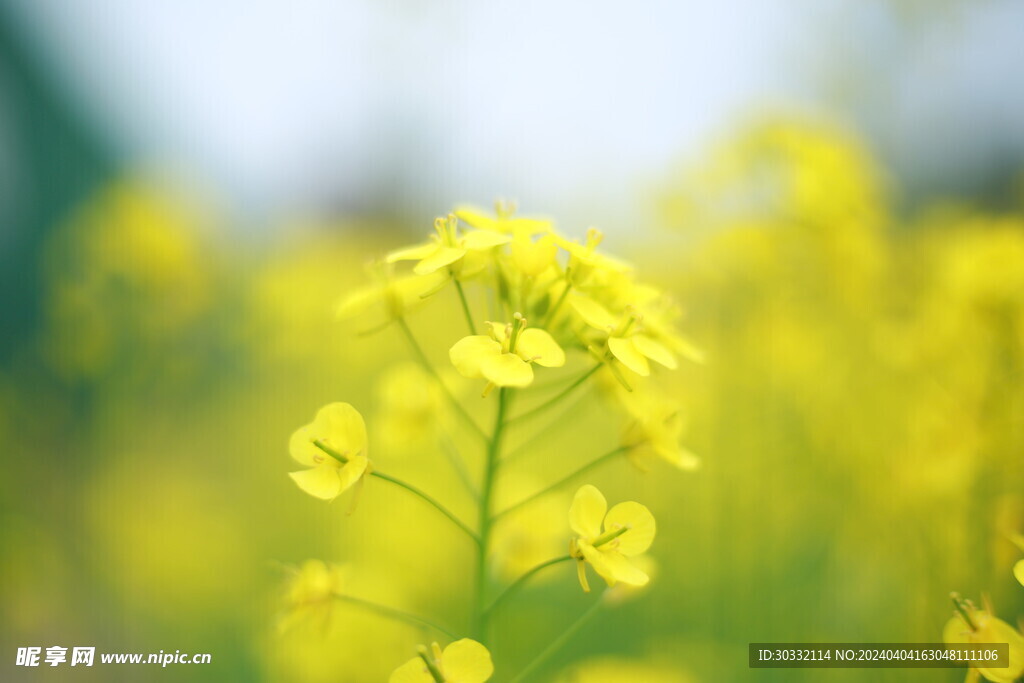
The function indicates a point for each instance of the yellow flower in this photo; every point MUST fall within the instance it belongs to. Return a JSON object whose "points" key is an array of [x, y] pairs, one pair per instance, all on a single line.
{"points": [[628, 531], [448, 247], [654, 430], [503, 222], [390, 298], [626, 337], [333, 445], [585, 263], [505, 358], [464, 661], [1018, 571], [310, 592], [971, 625]]}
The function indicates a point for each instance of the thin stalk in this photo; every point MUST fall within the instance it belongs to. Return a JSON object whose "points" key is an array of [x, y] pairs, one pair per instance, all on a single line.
{"points": [[392, 613], [450, 450], [557, 304], [425, 362], [556, 398], [544, 431], [567, 478], [490, 469], [429, 499], [559, 642], [518, 583], [465, 305]]}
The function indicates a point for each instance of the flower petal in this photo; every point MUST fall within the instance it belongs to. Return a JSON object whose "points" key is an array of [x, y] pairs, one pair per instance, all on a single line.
{"points": [[415, 253], [341, 427], [355, 468], [628, 354], [621, 569], [507, 370], [640, 522], [469, 352], [481, 240], [654, 350], [477, 218], [536, 345], [442, 257], [599, 561], [320, 482], [1018, 571], [467, 661], [301, 447], [413, 671], [592, 313], [587, 512]]}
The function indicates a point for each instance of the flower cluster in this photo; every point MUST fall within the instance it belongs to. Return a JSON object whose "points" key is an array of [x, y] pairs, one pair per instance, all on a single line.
{"points": [[530, 298]]}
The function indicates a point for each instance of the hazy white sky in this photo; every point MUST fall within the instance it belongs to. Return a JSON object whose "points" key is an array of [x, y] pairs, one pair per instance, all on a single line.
{"points": [[284, 106]]}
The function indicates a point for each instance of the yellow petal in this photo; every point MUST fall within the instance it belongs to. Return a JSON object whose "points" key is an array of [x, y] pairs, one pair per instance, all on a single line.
{"points": [[341, 427], [599, 561], [320, 482], [538, 346], [621, 569], [529, 226], [469, 352], [587, 512], [654, 350], [624, 350], [301, 447], [351, 471], [497, 330], [416, 253], [477, 218], [442, 257], [592, 313], [467, 661], [506, 370], [1018, 571], [640, 522], [413, 671], [533, 258], [481, 240]]}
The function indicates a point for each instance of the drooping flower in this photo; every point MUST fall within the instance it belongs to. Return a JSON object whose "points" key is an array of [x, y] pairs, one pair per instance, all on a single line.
{"points": [[971, 625], [607, 540], [505, 358], [654, 431], [333, 445], [310, 592], [464, 661], [448, 248]]}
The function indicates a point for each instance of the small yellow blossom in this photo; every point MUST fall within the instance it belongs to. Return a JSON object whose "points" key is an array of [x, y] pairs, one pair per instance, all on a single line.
{"points": [[654, 430], [448, 248], [464, 661], [505, 358], [586, 265], [626, 337], [504, 221], [390, 297], [628, 530], [333, 445], [971, 625], [310, 592]]}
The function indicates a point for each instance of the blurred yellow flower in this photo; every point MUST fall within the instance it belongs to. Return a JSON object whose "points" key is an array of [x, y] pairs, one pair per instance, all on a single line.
{"points": [[390, 298], [310, 592], [972, 625], [628, 530], [505, 357], [464, 661], [1018, 571], [448, 247], [585, 263], [333, 445], [654, 430], [626, 336], [503, 221]]}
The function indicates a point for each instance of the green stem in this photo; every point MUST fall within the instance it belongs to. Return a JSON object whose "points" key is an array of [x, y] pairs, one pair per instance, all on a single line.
{"points": [[560, 641], [518, 583], [558, 304], [490, 470], [393, 613], [567, 478], [556, 398], [455, 458], [465, 305], [544, 431], [425, 362], [429, 499]]}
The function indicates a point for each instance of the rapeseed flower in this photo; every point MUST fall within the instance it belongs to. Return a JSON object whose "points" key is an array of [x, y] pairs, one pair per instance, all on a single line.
{"points": [[505, 357], [971, 625], [310, 592], [333, 445], [464, 661], [448, 248], [607, 540]]}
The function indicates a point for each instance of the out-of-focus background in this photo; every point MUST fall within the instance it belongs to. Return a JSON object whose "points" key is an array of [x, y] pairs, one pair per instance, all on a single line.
{"points": [[833, 191]]}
